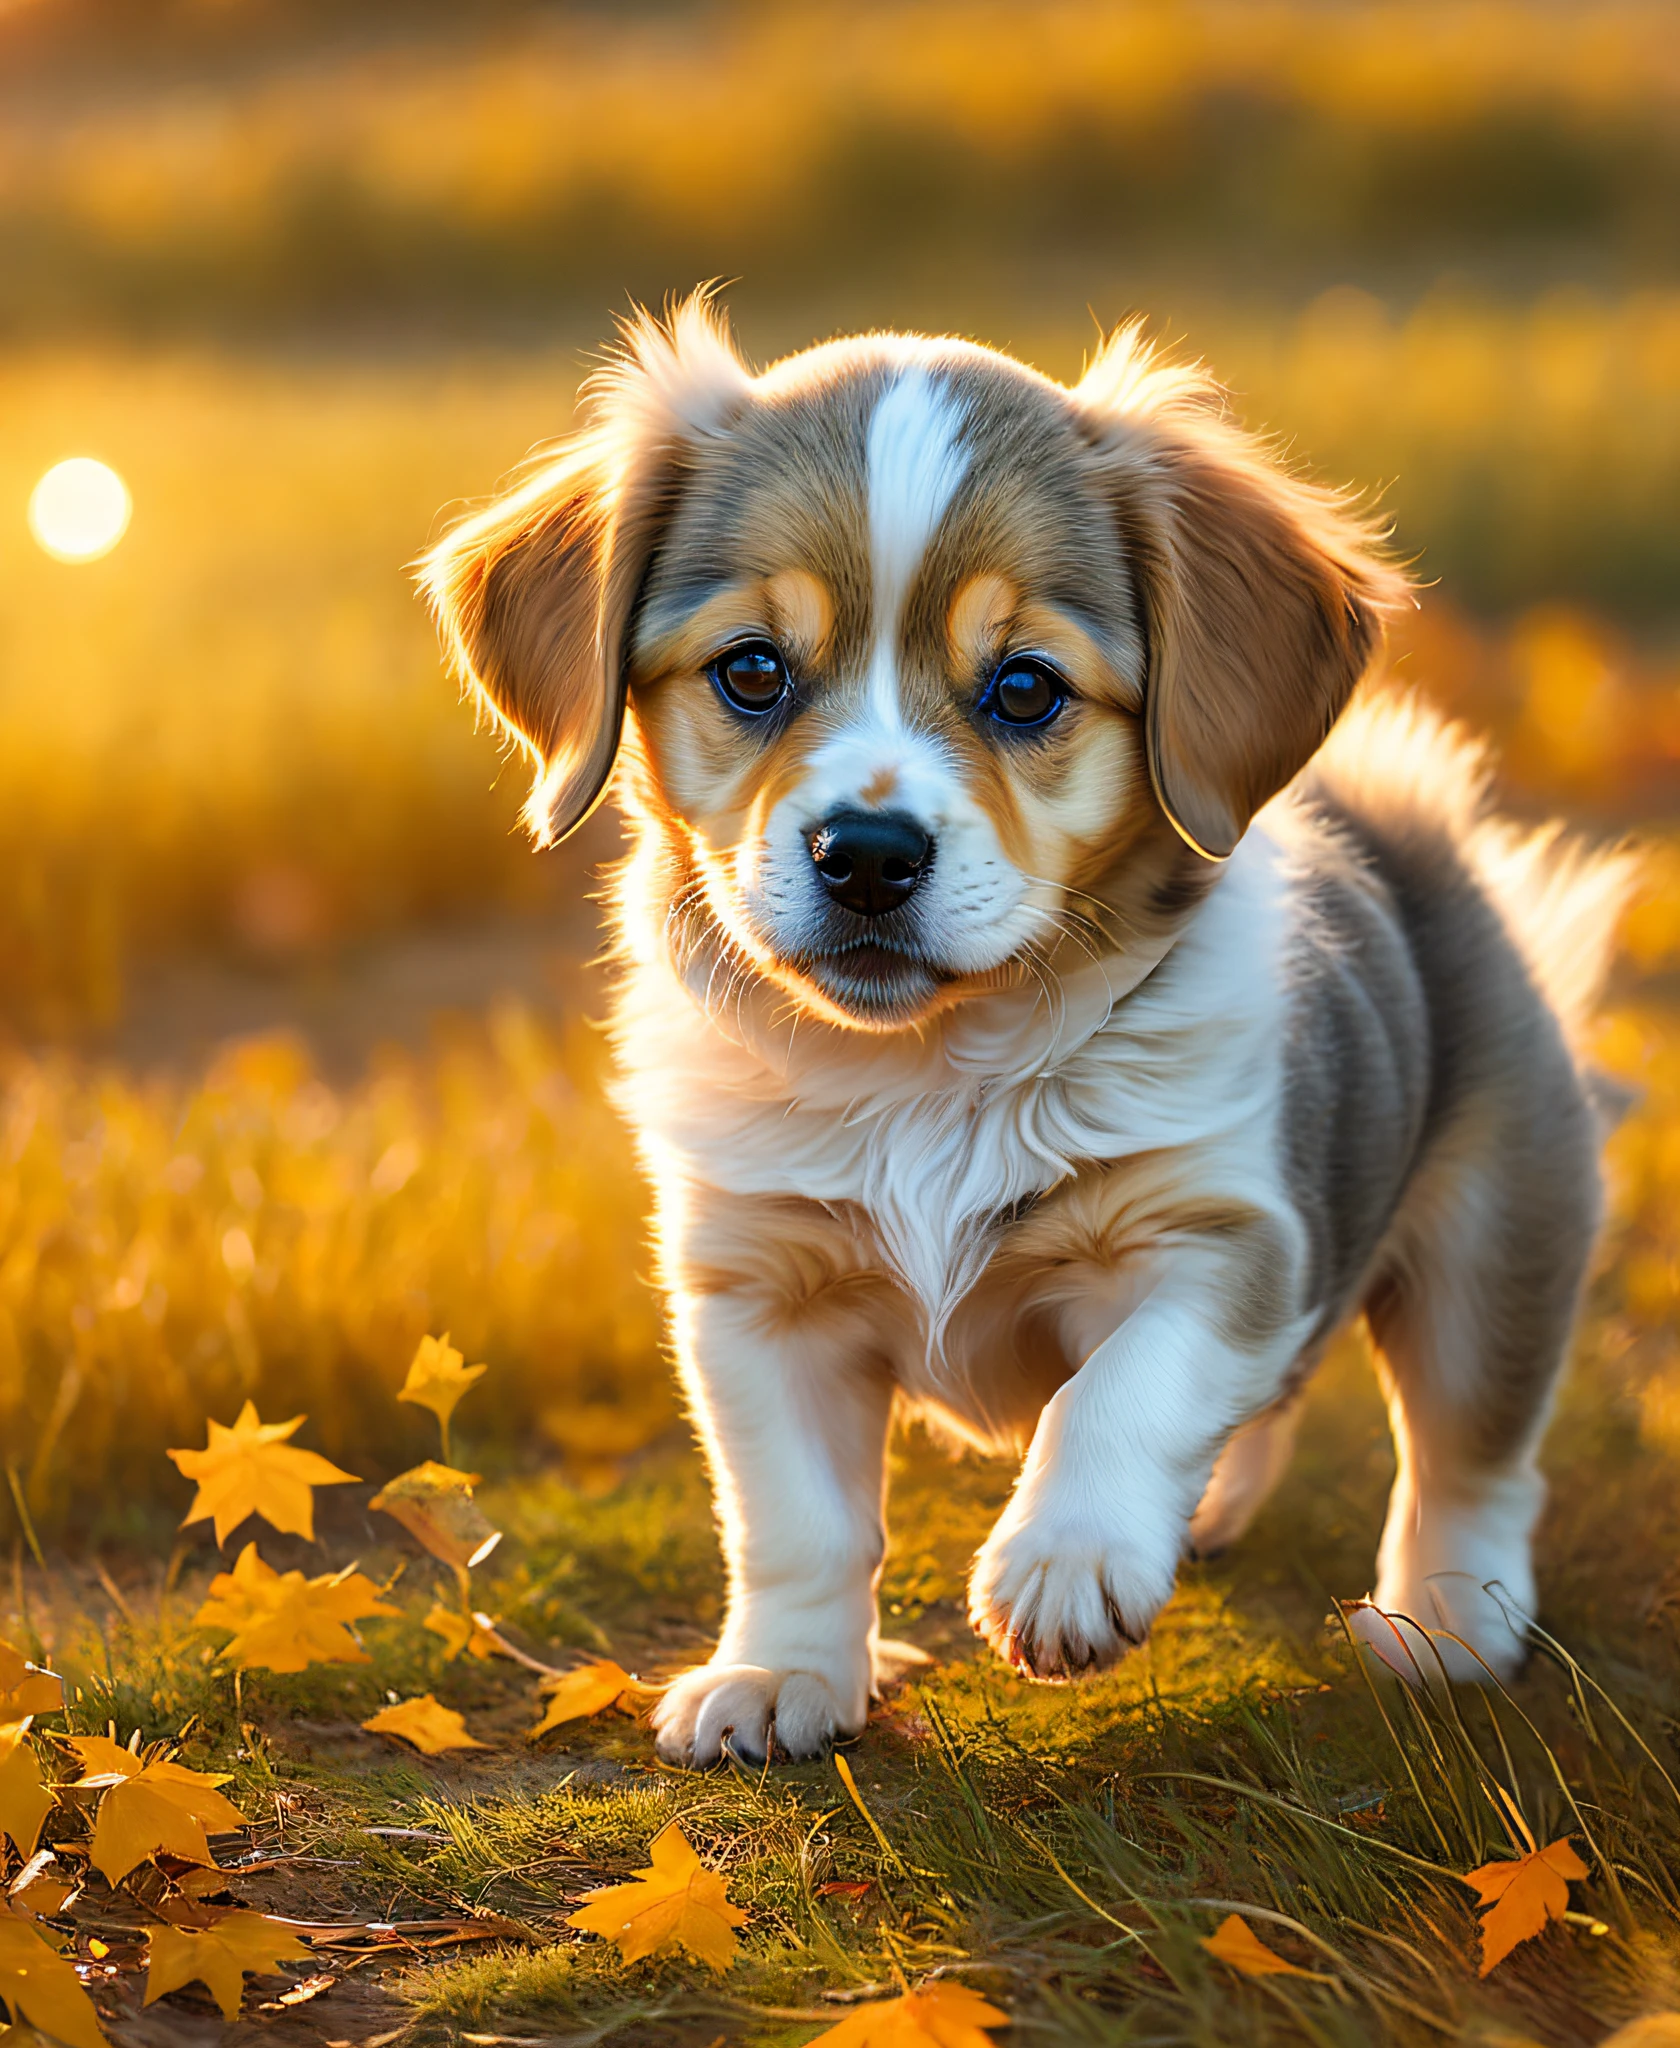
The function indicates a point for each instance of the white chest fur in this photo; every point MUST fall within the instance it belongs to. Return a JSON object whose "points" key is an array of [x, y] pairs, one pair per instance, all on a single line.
{"points": [[932, 1134]]}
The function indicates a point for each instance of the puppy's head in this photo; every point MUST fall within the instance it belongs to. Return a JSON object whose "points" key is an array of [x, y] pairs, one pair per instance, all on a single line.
{"points": [[923, 665]]}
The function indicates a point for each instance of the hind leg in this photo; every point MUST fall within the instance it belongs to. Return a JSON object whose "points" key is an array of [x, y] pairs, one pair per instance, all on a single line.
{"points": [[1471, 1320], [1248, 1468]]}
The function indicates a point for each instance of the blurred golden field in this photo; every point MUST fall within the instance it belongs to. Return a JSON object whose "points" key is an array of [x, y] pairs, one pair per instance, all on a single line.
{"points": [[291, 159], [232, 731], [296, 1051], [170, 1249]]}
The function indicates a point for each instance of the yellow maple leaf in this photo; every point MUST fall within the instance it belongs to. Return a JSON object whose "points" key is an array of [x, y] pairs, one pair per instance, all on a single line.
{"points": [[241, 1945], [251, 1469], [25, 1688], [281, 1621], [1524, 1895], [152, 1807], [25, 1800], [1233, 1941], [461, 1632], [437, 1378], [675, 1903], [575, 1694], [100, 1757], [42, 1987], [939, 2015], [435, 1504], [430, 1726]]}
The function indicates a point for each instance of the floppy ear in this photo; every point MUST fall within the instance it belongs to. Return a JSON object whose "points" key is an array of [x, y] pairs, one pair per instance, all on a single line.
{"points": [[1262, 596], [533, 596]]}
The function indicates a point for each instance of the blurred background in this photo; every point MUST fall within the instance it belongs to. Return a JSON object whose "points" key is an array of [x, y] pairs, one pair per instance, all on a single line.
{"points": [[297, 1054]]}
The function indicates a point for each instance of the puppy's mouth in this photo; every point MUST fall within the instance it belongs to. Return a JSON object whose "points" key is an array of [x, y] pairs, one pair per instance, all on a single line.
{"points": [[875, 979]]}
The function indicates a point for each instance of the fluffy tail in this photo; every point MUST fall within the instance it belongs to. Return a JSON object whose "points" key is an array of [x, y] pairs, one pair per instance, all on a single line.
{"points": [[1396, 761]]}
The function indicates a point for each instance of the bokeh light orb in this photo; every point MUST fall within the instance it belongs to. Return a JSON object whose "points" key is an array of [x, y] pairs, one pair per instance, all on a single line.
{"points": [[79, 510]]}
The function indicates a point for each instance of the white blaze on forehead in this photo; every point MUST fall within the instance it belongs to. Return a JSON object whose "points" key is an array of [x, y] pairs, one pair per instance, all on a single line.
{"points": [[915, 466]]}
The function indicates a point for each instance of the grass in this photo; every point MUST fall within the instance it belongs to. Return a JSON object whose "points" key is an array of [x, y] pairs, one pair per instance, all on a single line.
{"points": [[168, 1250], [1061, 1849]]}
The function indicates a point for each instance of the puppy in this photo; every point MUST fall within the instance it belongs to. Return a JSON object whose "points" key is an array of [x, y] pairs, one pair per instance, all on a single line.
{"points": [[1036, 1010]]}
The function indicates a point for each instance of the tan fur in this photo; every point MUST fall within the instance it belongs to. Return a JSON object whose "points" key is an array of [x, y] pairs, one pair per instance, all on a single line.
{"points": [[1263, 593], [978, 621], [801, 612], [532, 594]]}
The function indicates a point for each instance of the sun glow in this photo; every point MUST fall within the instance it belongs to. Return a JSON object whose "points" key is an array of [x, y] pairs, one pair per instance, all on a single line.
{"points": [[79, 510]]}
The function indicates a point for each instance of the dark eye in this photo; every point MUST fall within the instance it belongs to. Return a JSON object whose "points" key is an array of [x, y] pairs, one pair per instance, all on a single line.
{"points": [[1024, 693], [753, 678]]}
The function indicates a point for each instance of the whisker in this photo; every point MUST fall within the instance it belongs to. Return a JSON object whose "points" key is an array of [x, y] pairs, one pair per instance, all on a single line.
{"points": [[1106, 913], [1054, 1002]]}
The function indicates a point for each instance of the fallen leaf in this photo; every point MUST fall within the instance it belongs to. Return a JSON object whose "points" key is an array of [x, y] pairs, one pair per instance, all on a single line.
{"points": [[302, 1993], [939, 2015], [461, 1632], [281, 1621], [25, 1800], [437, 1379], [25, 1688], [243, 1599], [1524, 1895], [43, 1988], [675, 1903], [1236, 1943], [42, 1887], [194, 1898], [161, 1806], [243, 1945], [100, 1757], [430, 1727], [578, 1693], [435, 1504], [250, 1469]]}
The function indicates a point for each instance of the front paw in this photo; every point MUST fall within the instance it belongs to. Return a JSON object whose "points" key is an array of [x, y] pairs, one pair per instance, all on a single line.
{"points": [[754, 1711], [1058, 1602], [1448, 1626]]}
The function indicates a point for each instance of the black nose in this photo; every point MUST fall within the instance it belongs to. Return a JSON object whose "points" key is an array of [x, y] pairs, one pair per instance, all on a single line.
{"points": [[871, 861]]}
